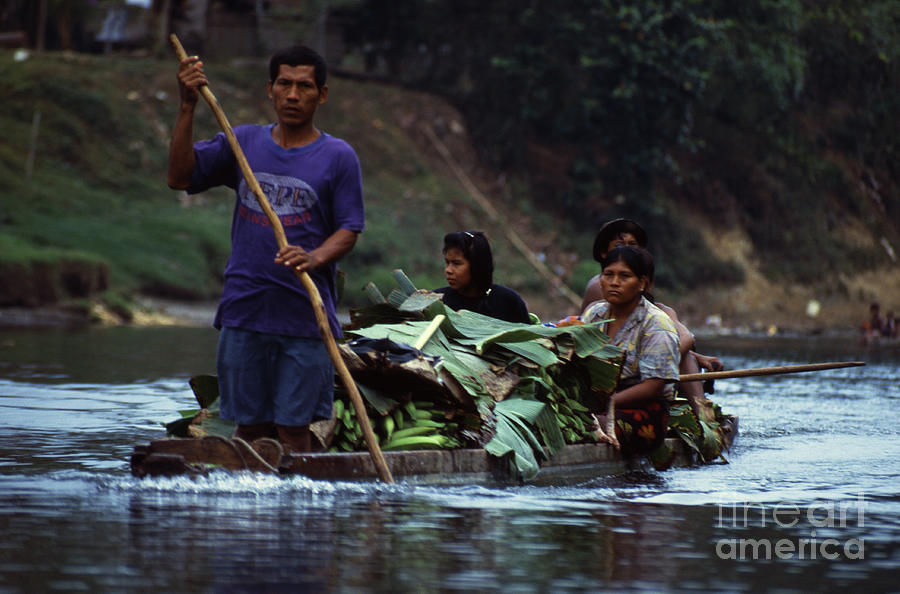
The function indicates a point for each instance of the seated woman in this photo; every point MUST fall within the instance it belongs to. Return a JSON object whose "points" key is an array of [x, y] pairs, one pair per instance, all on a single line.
{"points": [[627, 232], [650, 341], [469, 269]]}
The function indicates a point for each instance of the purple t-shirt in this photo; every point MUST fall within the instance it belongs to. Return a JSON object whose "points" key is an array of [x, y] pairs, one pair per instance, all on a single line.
{"points": [[315, 190]]}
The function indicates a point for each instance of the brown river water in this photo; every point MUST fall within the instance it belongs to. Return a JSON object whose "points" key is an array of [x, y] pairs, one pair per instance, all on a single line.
{"points": [[809, 501]]}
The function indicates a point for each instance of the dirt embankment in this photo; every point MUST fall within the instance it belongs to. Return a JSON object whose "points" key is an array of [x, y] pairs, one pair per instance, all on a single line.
{"points": [[71, 293], [757, 307]]}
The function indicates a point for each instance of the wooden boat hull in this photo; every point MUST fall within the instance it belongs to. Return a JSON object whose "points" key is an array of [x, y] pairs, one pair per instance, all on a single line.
{"points": [[574, 463]]}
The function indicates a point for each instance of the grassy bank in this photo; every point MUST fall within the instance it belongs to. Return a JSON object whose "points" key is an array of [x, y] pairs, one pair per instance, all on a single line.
{"points": [[97, 191], [95, 220]]}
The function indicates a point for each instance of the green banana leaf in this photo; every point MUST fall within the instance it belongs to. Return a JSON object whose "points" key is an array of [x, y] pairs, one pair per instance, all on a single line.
{"points": [[544, 421], [550, 431], [701, 437], [528, 435], [515, 419], [711, 446], [538, 353], [210, 422], [378, 399], [205, 388], [507, 439], [424, 303]]}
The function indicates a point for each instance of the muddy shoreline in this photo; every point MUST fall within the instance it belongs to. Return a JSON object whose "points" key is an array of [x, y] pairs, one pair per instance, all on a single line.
{"points": [[151, 311]]}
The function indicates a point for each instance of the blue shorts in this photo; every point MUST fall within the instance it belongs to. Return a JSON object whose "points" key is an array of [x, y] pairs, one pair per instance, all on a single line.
{"points": [[269, 377]]}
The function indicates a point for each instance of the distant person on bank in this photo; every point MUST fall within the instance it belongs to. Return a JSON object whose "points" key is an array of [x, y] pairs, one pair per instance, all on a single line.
{"points": [[275, 374], [890, 328], [469, 270], [876, 327]]}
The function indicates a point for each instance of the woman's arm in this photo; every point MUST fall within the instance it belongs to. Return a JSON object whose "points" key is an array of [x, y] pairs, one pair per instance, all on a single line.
{"points": [[640, 394]]}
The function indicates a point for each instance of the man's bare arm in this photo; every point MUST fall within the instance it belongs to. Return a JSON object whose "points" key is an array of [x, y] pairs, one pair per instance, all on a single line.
{"points": [[181, 146], [334, 248]]}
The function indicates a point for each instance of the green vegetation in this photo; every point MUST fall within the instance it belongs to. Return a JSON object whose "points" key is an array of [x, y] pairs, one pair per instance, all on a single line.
{"points": [[772, 116], [520, 391], [772, 120], [97, 192]]}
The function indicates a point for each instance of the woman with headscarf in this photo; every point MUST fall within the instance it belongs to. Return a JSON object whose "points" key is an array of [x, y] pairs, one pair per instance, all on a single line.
{"points": [[469, 270]]}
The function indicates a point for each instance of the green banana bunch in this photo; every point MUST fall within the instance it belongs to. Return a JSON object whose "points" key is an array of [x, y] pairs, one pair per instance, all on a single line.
{"points": [[419, 425], [420, 442], [410, 425], [347, 430], [574, 419]]}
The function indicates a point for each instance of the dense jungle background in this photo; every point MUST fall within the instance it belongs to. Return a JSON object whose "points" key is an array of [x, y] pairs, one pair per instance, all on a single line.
{"points": [[756, 142]]}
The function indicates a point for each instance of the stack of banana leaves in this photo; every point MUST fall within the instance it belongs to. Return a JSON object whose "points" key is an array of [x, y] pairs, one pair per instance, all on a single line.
{"points": [[517, 390], [520, 391]]}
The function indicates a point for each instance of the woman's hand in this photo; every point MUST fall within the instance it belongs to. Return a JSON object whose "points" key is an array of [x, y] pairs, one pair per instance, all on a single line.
{"points": [[709, 363]]}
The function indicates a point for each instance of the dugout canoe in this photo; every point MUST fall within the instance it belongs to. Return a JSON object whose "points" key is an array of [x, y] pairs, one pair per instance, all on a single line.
{"points": [[572, 464]]}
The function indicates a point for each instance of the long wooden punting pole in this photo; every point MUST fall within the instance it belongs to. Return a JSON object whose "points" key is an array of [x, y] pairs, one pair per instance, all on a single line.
{"points": [[318, 307], [712, 375]]}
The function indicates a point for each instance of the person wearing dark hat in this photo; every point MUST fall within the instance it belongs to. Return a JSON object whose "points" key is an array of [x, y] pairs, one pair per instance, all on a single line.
{"points": [[620, 232], [612, 234]]}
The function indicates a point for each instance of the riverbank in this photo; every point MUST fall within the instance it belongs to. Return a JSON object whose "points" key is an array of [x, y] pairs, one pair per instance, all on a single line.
{"points": [[724, 317], [148, 311], [83, 255]]}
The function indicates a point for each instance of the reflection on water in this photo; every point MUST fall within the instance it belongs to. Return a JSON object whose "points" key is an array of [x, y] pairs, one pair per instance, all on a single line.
{"points": [[73, 405], [106, 355]]}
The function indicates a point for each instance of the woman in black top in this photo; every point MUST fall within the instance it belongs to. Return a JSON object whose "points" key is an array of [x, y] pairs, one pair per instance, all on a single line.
{"points": [[469, 269]]}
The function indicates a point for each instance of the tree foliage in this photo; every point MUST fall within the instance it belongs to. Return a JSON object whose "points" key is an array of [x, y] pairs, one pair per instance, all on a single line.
{"points": [[624, 76], [775, 116], [636, 98]]}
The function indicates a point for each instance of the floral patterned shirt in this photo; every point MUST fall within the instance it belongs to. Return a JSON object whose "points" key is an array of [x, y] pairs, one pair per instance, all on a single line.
{"points": [[650, 342]]}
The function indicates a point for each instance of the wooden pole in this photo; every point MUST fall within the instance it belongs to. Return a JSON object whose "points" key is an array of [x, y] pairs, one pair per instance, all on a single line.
{"points": [[318, 307], [753, 372]]}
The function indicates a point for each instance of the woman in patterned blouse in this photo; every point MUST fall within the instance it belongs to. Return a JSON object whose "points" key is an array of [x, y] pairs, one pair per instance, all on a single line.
{"points": [[650, 341]]}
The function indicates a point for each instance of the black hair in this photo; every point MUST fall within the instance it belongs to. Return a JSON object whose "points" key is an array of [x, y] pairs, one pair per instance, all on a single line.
{"points": [[616, 228], [476, 249], [299, 55], [638, 260]]}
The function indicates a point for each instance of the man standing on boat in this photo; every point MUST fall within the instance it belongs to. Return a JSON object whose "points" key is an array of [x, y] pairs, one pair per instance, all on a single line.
{"points": [[275, 374]]}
